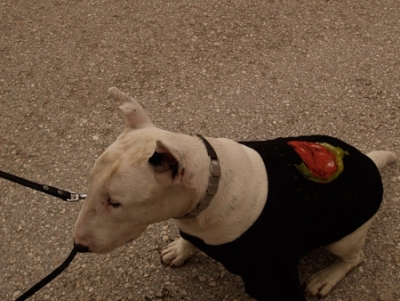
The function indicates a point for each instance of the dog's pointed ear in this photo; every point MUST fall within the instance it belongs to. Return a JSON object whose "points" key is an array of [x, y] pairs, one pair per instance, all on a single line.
{"points": [[165, 159], [135, 116]]}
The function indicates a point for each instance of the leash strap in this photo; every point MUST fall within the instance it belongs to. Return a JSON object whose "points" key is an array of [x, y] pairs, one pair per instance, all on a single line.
{"points": [[59, 193], [49, 277]]}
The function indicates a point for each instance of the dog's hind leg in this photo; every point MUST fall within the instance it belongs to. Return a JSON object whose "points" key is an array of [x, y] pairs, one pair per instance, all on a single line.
{"points": [[178, 252], [349, 248], [350, 254]]}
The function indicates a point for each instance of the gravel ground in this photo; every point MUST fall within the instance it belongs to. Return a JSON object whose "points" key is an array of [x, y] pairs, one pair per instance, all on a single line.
{"points": [[238, 69]]}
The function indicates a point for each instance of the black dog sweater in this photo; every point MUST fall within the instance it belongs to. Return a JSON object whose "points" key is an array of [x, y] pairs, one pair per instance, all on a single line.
{"points": [[320, 189]]}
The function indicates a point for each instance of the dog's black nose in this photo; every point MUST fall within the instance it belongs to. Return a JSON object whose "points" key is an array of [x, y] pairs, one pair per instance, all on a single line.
{"points": [[81, 248]]}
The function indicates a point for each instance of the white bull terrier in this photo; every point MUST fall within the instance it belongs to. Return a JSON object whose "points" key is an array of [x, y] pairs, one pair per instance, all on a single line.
{"points": [[256, 207]]}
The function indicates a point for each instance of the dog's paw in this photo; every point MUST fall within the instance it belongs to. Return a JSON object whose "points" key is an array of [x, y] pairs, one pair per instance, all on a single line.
{"points": [[177, 252], [322, 282]]}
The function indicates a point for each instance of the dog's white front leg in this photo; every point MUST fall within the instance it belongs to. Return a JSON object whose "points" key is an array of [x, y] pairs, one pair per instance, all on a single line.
{"points": [[177, 252]]}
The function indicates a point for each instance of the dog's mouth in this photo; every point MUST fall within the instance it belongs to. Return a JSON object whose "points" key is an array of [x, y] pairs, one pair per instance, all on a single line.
{"points": [[102, 249], [81, 248]]}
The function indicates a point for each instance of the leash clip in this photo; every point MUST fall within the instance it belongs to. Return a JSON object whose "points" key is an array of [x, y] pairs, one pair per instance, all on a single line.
{"points": [[76, 197]]}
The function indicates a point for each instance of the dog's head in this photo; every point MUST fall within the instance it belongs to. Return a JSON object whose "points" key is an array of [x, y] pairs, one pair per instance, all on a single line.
{"points": [[142, 178]]}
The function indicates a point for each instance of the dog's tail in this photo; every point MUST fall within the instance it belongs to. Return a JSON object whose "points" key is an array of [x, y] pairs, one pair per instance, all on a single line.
{"points": [[382, 158]]}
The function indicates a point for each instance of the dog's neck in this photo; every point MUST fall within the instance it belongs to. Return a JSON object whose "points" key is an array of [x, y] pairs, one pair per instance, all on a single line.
{"points": [[241, 195], [212, 188]]}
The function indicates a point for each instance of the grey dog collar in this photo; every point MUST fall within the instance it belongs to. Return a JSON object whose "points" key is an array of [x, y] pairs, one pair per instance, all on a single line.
{"points": [[215, 174]]}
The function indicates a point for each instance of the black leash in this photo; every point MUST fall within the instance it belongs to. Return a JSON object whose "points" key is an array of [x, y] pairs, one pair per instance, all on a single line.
{"points": [[49, 277], [65, 195], [54, 274]]}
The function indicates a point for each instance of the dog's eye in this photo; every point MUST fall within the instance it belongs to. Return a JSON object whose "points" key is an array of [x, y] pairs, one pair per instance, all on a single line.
{"points": [[114, 203]]}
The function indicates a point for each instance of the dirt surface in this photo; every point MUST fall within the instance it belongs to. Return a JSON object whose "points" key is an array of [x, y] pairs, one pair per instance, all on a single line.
{"points": [[238, 69]]}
